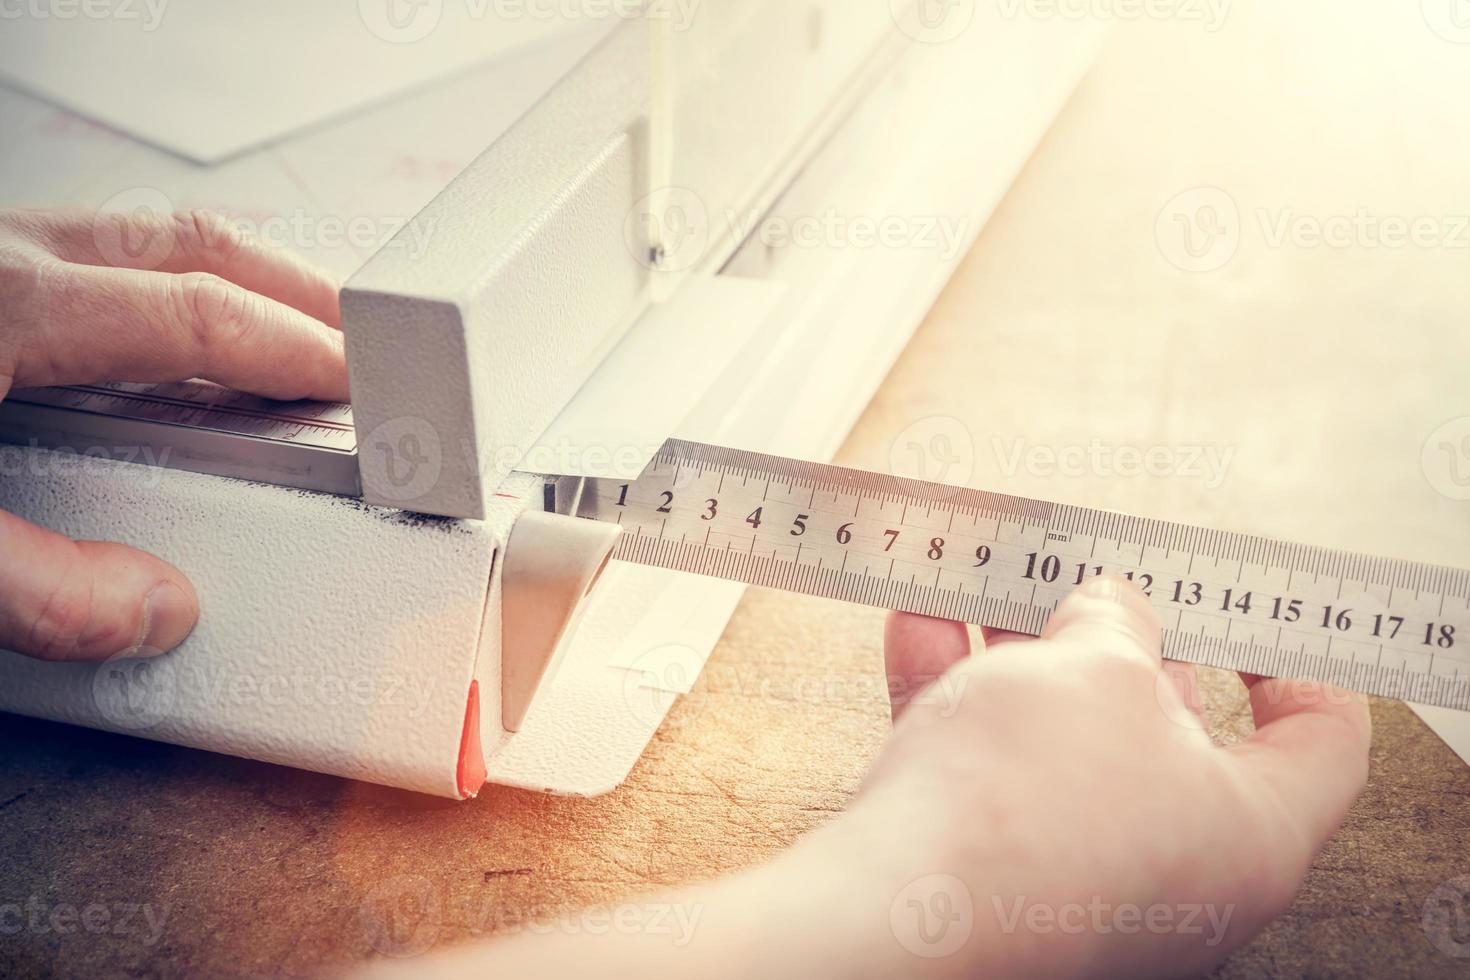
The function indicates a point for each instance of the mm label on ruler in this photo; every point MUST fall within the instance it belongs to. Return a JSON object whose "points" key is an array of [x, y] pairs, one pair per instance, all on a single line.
{"points": [[1393, 628]]}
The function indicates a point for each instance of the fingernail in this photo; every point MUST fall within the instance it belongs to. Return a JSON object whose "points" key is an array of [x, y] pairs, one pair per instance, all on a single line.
{"points": [[1104, 587], [169, 616]]}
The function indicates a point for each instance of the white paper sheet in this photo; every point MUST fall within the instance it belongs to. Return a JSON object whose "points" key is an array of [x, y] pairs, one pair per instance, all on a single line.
{"points": [[1452, 726], [208, 79], [334, 194]]}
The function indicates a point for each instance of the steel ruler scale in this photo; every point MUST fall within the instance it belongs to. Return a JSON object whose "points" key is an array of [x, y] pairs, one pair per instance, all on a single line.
{"points": [[1394, 628], [1383, 626]]}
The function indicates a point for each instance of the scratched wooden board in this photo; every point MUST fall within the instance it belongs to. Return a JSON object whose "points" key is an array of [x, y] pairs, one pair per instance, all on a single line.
{"points": [[1333, 366]]}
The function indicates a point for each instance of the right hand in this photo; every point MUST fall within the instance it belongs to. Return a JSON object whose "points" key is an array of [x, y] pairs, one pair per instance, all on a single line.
{"points": [[1053, 807], [87, 298], [1074, 774]]}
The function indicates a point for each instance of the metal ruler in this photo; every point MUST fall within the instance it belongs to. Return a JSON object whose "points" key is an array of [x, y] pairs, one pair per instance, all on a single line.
{"points": [[1395, 628], [192, 425], [1383, 626]]}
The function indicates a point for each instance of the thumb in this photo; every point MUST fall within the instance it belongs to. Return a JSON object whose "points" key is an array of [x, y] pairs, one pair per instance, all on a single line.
{"points": [[87, 600], [1108, 615]]}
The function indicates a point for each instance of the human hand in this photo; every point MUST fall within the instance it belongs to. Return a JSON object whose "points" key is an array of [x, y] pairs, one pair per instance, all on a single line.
{"points": [[1049, 808], [1060, 804], [86, 298]]}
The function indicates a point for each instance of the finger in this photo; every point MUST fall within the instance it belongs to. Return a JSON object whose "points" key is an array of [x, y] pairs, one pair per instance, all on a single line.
{"points": [[87, 600], [192, 241], [1108, 615], [917, 651], [1309, 751], [127, 325], [995, 637]]}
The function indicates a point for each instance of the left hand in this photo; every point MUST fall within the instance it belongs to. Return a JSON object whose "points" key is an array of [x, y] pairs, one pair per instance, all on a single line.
{"points": [[86, 298]]}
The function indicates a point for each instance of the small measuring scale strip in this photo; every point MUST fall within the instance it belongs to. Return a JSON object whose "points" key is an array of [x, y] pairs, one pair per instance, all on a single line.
{"points": [[193, 426], [1382, 626]]}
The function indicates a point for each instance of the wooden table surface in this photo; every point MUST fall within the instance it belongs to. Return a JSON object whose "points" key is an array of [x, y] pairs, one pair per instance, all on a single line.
{"points": [[1313, 373]]}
